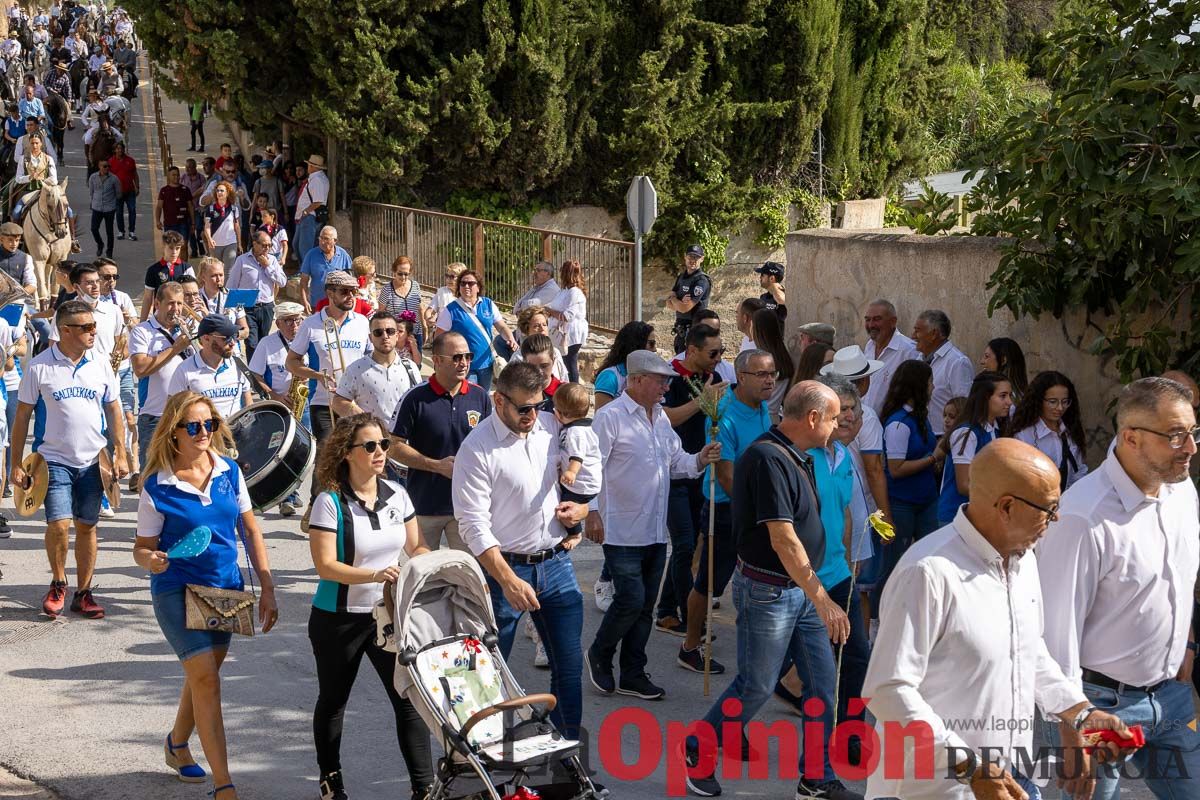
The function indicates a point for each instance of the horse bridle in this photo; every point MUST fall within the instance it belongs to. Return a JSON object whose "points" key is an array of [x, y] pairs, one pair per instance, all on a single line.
{"points": [[63, 222]]}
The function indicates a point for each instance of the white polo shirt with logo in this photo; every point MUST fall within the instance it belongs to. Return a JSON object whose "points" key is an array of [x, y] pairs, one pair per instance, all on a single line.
{"points": [[69, 402], [354, 334], [149, 339], [224, 385], [378, 388]]}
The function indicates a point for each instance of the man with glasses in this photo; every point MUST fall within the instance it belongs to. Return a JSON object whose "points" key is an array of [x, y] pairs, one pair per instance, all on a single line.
{"points": [[319, 263], [543, 289], [960, 642], [259, 270], [433, 420], [744, 417], [78, 400], [505, 493], [639, 451], [1118, 577], [211, 371], [113, 299], [376, 384], [104, 190], [696, 371], [228, 172]]}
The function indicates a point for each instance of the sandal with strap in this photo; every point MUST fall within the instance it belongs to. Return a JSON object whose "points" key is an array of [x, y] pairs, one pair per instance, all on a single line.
{"points": [[188, 773], [220, 789]]}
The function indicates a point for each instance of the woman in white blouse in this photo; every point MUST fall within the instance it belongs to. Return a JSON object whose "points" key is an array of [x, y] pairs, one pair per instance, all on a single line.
{"points": [[1048, 418], [568, 313]]}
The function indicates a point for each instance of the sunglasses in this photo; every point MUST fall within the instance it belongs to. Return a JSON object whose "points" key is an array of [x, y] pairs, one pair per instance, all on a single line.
{"points": [[112, 277], [460, 358], [86, 327], [407, 275], [468, 283], [381, 332], [717, 352], [340, 290], [193, 428], [372, 446], [521, 410]]}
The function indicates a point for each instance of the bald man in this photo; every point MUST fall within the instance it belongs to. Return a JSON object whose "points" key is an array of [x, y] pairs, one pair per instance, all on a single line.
{"points": [[960, 644]]}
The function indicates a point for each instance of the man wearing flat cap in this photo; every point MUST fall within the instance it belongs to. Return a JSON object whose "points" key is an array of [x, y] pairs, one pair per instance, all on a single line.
{"points": [[690, 293], [311, 208], [15, 261], [211, 370]]}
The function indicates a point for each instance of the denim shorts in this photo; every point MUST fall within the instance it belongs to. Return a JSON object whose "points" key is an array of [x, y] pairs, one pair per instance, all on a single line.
{"points": [[128, 392], [73, 493], [145, 428], [171, 613]]}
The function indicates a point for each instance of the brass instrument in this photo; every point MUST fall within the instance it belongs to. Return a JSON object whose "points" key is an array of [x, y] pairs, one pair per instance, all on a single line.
{"points": [[118, 352], [333, 338], [297, 397]]}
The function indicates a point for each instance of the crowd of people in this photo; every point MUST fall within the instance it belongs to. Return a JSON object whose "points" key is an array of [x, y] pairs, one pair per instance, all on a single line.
{"points": [[897, 519]]}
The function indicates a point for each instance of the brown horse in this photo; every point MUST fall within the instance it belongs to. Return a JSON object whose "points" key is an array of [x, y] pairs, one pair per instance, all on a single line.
{"points": [[103, 143]]}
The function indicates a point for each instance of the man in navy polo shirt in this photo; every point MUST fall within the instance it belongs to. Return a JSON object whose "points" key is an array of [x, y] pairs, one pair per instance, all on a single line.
{"points": [[432, 422]]}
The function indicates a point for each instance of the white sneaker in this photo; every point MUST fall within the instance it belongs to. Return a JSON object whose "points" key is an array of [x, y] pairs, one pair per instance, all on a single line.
{"points": [[530, 628], [107, 512], [286, 509], [539, 658], [604, 594]]}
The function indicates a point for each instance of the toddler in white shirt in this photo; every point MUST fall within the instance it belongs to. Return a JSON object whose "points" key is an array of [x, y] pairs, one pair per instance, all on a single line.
{"points": [[579, 449]]}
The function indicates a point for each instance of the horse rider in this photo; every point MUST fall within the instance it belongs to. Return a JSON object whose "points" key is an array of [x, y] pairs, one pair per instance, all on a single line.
{"points": [[35, 168], [110, 83], [58, 80], [10, 48]]}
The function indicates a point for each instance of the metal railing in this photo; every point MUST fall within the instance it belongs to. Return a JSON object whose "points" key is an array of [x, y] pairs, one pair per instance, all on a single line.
{"points": [[501, 252]]}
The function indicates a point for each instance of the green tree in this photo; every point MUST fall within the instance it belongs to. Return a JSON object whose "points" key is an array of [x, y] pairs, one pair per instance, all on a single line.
{"points": [[1098, 185]]}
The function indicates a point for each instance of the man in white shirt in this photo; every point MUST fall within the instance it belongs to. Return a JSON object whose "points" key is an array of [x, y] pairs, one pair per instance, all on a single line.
{"points": [[376, 384], [77, 396], [216, 298], [157, 347], [505, 491], [887, 345], [1118, 577], [953, 371], [110, 323], [211, 371], [313, 196], [960, 643], [116, 300], [259, 270], [269, 362], [640, 451]]}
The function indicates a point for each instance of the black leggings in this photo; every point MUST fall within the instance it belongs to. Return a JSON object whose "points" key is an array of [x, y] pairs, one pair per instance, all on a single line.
{"points": [[322, 426], [339, 642], [197, 128], [571, 362]]}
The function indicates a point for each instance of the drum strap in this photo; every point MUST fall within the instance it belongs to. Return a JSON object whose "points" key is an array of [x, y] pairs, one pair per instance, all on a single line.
{"points": [[255, 381]]}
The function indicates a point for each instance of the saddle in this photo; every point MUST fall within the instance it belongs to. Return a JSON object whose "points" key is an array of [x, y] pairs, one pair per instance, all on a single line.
{"points": [[23, 204]]}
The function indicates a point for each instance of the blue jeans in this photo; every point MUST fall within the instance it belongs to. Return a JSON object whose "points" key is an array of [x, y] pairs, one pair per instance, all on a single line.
{"points": [[145, 425], [636, 572], [483, 377], [10, 417], [74, 493], [171, 613], [683, 523], [774, 624], [306, 236], [127, 205], [559, 624], [1170, 761], [912, 522]]}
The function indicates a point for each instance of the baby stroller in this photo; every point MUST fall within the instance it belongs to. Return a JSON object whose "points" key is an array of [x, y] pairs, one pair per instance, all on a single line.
{"points": [[451, 670]]}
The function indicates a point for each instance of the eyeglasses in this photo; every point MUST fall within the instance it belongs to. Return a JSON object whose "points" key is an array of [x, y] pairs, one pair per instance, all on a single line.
{"points": [[381, 332], [193, 428], [1051, 512], [1176, 439], [372, 446], [112, 277], [762, 374], [1054, 402], [522, 410], [86, 327]]}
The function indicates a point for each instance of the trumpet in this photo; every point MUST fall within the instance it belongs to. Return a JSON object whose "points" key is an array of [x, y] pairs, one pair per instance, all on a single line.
{"points": [[333, 339], [118, 352]]}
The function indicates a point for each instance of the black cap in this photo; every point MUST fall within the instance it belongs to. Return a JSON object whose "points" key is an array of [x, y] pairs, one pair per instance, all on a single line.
{"points": [[694, 250], [770, 268], [215, 323]]}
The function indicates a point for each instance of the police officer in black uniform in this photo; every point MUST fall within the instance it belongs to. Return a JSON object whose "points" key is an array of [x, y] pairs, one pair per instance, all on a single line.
{"points": [[771, 281], [690, 293]]}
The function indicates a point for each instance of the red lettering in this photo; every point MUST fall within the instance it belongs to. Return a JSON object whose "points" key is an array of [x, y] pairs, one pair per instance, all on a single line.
{"points": [[731, 738], [924, 753], [677, 768], [839, 750], [787, 735], [649, 744]]}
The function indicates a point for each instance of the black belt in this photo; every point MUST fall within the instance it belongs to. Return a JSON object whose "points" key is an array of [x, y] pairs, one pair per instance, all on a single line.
{"points": [[764, 576], [1100, 679], [534, 558]]}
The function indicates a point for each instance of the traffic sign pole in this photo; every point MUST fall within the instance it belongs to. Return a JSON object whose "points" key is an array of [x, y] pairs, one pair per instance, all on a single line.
{"points": [[641, 207], [637, 278]]}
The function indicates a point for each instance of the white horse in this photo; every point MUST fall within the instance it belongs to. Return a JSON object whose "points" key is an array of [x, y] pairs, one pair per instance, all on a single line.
{"points": [[48, 234]]}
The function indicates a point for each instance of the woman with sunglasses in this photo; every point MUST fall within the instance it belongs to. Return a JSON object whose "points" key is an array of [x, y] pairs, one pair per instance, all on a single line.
{"points": [[361, 529], [192, 483], [1047, 417], [473, 315]]}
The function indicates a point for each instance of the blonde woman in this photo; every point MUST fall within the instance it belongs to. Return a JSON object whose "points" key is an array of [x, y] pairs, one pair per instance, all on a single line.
{"points": [[189, 481], [362, 528], [445, 294]]}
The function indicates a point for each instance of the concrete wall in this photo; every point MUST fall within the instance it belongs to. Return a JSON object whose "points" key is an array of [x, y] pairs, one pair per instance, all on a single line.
{"points": [[834, 274]]}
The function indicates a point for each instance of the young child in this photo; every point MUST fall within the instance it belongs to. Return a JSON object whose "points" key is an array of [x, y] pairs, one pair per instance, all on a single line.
{"points": [[579, 459], [950, 414]]}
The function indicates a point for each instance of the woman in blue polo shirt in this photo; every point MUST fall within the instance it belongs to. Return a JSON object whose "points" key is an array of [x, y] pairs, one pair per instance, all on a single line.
{"points": [[473, 315], [908, 463], [189, 482], [362, 528], [988, 404]]}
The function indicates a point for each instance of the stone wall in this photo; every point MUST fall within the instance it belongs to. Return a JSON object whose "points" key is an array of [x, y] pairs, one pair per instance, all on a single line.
{"points": [[834, 274]]}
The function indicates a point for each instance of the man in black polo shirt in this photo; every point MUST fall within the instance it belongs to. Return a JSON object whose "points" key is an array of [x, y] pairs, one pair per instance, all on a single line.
{"points": [[432, 422], [170, 268], [771, 280], [783, 610], [696, 368], [689, 294]]}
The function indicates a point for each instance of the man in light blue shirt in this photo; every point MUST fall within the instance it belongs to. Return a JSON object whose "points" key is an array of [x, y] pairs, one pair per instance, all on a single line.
{"points": [[326, 257], [30, 105], [744, 417]]}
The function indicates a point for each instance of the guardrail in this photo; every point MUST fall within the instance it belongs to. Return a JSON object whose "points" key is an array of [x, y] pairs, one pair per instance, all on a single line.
{"points": [[160, 126], [501, 252]]}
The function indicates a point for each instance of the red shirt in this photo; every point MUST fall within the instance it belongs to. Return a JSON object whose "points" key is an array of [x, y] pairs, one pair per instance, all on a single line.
{"points": [[360, 306], [220, 163], [126, 171], [174, 200]]}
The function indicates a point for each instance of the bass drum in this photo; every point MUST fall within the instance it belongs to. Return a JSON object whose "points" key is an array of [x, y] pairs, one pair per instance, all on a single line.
{"points": [[274, 451]]}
